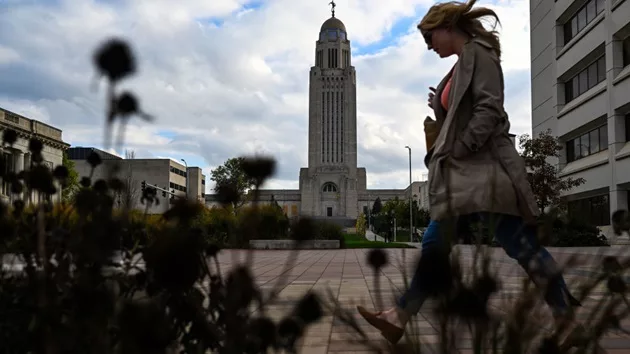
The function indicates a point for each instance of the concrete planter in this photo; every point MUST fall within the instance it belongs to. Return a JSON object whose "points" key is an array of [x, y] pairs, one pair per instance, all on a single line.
{"points": [[291, 244]]}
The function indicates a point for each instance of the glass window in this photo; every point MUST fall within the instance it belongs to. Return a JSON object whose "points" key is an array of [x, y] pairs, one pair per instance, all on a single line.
{"points": [[627, 127], [587, 144], [592, 75], [575, 85], [594, 210], [584, 145], [603, 137], [583, 77], [591, 11], [570, 151], [581, 19], [577, 149], [594, 141], [567, 32], [601, 5]]}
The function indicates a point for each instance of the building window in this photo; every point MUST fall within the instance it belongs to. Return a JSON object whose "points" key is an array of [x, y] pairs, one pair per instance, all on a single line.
{"points": [[177, 187], [594, 210], [177, 171], [585, 80], [582, 18], [587, 144], [627, 127], [626, 51], [329, 187]]}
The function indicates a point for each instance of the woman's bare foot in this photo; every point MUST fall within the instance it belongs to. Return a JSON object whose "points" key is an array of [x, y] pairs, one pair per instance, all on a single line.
{"points": [[394, 316], [391, 322]]}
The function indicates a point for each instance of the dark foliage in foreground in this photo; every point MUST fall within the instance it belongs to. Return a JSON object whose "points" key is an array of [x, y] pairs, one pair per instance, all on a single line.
{"points": [[169, 294]]}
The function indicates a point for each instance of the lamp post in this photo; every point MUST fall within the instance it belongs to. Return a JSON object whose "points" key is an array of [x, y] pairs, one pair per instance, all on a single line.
{"points": [[184, 161], [410, 199]]}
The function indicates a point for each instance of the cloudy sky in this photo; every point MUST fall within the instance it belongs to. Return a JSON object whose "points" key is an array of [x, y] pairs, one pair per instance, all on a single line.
{"points": [[230, 77]]}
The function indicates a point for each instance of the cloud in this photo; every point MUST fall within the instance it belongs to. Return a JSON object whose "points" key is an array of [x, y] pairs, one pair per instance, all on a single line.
{"points": [[225, 78]]}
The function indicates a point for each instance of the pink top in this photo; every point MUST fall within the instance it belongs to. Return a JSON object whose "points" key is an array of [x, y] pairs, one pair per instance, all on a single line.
{"points": [[446, 91]]}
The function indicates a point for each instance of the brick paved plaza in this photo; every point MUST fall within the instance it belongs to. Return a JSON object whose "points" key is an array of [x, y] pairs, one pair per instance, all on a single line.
{"points": [[350, 279]]}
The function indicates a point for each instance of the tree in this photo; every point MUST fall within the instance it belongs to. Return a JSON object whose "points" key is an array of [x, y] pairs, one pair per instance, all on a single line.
{"points": [[130, 194], [422, 218], [546, 184], [73, 179], [377, 206], [231, 173], [130, 154]]}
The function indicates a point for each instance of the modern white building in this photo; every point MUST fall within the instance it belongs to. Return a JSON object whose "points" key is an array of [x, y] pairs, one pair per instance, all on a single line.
{"points": [[163, 173], [580, 72], [17, 158]]}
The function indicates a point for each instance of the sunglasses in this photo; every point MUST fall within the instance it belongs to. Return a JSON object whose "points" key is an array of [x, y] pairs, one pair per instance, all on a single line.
{"points": [[428, 37]]}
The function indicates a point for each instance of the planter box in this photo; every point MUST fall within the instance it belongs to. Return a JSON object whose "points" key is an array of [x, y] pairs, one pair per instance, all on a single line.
{"points": [[291, 244]]}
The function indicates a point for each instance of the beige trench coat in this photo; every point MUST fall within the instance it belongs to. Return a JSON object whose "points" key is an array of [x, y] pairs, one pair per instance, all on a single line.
{"points": [[474, 166]]}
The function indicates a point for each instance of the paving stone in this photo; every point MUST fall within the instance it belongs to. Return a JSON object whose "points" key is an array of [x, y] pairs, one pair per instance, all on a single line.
{"points": [[345, 275]]}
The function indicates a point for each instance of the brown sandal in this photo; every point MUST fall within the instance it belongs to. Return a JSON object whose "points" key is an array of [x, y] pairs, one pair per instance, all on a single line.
{"points": [[391, 332]]}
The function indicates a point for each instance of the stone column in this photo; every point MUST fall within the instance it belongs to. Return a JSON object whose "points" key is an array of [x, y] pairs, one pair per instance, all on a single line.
{"points": [[18, 161], [27, 161]]}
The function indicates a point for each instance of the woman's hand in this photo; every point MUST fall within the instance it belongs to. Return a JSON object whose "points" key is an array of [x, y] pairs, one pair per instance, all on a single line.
{"points": [[431, 95]]}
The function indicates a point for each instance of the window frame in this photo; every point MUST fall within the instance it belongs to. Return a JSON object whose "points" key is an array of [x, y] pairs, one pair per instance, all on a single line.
{"points": [[574, 147], [580, 20], [581, 81], [595, 212]]}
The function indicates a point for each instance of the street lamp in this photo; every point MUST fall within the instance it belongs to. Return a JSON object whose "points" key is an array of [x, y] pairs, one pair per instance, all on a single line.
{"points": [[410, 199], [184, 161]]}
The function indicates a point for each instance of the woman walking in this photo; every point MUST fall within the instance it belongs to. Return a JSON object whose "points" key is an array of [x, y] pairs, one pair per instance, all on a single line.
{"points": [[475, 172]]}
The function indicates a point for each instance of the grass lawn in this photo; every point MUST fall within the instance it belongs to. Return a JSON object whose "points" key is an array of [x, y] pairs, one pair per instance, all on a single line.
{"points": [[356, 241]]}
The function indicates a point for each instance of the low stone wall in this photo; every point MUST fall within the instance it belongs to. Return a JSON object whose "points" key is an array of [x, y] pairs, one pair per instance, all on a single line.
{"points": [[291, 244]]}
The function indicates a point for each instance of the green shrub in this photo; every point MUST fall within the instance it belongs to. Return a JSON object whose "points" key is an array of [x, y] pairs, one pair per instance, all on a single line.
{"points": [[575, 233], [218, 225], [361, 225]]}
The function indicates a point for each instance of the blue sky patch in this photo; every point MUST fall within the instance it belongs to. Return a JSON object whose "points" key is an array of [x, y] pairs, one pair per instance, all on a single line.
{"points": [[399, 29]]}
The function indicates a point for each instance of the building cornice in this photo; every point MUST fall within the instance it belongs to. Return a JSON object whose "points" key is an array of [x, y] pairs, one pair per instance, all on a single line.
{"points": [[26, 134]]}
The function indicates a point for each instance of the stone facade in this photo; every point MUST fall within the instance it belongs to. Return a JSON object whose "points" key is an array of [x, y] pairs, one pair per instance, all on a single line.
{"points": [[165, 173], [18, 157]]}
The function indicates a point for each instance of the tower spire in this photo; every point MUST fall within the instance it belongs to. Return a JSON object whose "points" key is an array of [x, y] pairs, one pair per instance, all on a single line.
{"points": [[332, 7]]}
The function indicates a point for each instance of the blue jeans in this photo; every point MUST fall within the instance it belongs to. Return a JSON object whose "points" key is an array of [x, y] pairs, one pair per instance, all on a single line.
{"points": [[518, 241]]}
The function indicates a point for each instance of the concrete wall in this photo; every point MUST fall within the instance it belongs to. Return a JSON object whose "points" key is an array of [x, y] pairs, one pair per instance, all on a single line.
{"points": [[553, 63], [164, 173]]}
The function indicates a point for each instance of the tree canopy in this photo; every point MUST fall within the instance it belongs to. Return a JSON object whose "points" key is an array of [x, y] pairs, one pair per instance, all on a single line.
{"points": [[73, 179], [546, 183], [232, 173]]}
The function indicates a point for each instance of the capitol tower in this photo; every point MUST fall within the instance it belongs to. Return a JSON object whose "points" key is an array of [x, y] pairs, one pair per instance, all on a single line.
{"points": [[331, 183]]}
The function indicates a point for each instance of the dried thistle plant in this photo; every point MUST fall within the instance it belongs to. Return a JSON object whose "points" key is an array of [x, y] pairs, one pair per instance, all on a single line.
{"points": [[169, 294]]}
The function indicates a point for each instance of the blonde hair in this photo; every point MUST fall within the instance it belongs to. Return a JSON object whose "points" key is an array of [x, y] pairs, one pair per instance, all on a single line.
{"points": [[461, 15]]}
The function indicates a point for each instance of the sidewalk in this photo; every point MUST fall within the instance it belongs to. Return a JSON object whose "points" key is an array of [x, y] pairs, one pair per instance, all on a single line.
{"points": [[370, 236]]}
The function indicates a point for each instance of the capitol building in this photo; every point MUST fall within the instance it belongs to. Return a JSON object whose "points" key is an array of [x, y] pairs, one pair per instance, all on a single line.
{"points": [[332, 185]]}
